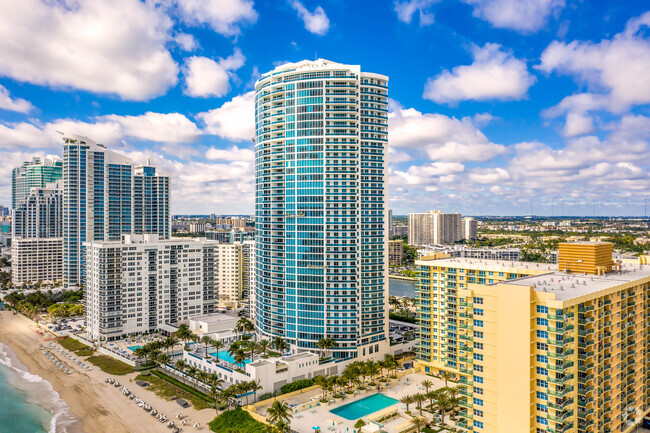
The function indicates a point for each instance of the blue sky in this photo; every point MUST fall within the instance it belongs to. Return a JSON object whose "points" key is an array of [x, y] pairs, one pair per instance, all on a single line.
{"points": [[497, 106]]}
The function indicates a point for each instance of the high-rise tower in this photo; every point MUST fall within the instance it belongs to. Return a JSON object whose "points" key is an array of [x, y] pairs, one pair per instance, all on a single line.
{"points": [[321, 206], [34, 174], [105, 196]]}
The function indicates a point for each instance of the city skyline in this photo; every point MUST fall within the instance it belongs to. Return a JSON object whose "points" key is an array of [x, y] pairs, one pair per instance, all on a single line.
{"points": [[565, 121]]}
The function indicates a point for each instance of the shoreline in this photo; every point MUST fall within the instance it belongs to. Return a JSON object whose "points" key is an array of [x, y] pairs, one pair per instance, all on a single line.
{"points": [[100, 407], [402, 277]]}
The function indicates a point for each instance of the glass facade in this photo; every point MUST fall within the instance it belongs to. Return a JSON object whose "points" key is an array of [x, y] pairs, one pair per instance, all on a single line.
{"points": [[36, 173], [104, 197], [321, 140]]}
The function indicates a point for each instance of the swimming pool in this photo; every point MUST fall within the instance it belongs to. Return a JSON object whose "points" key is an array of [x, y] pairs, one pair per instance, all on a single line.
{"points": [[132, 348], [223, 355], [365, 406]]}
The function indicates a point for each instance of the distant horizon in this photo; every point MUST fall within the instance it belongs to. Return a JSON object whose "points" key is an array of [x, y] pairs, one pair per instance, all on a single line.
{"points": [[464, 215]]}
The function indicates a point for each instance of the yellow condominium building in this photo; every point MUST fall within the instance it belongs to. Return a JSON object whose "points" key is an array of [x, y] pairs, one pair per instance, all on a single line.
{"points": [[539, 350]]}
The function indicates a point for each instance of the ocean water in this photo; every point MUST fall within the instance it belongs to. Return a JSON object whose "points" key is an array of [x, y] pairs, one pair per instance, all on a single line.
{"points": [[28, 404], [401, 288]]}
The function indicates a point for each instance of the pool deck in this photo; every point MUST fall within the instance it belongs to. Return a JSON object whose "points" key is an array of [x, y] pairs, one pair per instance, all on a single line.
{"points": [[319, 415]]}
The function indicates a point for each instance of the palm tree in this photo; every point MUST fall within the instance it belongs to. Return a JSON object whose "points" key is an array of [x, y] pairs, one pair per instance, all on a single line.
{"points": [[418, 422], [431, 395], [321, 381], [140, 353], [419, 399], [217, 344], [206, 340], [163, 359], [427, 384], [441, 403], [239, 357], [192, 371], [215, 384], [279, 411], [263, 346], [446, 376], [255, 386], [321, 345], [407, 400], [282, 426], [183, 333], [282, 346], [170, 342]]}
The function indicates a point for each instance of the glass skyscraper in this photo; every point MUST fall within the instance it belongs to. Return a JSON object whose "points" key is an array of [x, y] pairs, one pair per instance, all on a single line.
{"points": [[321, 207], [34, 174], [105, 196]]}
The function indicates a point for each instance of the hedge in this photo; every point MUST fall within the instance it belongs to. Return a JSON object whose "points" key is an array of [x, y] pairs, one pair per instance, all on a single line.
{"points": [[408, 319], [236, 421], [297, 385]]}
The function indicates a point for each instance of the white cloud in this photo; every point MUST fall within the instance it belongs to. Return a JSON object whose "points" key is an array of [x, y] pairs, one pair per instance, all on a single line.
{"points": [[17, 136], [159, 127], [88, 45], [406, 9], [232, 154], [489, 175], [521, 15], [426, 174], [315, 22], [494, 74], [440, 137], [234, 120], [16, 104], [223, 16], [614, 71], [185, 41], [205, 77]]}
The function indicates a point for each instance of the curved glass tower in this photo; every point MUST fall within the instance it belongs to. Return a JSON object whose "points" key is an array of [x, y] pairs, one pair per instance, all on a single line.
{"points": [[321, 206]]}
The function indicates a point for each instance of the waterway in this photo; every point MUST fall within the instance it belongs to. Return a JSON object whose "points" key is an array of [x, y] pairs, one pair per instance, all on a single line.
{"points": [[401, 288]]}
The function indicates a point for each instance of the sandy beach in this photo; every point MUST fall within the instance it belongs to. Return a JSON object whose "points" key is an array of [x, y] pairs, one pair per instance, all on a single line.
{"points": [[101, 407]]}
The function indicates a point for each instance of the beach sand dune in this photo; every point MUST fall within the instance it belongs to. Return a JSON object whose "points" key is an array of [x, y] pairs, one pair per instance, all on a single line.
{"points": [[101, 407]]}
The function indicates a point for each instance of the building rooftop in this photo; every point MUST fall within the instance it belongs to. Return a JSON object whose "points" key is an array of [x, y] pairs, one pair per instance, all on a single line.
{"points": [[216, 317], [487, 264], [299, 356], [568, 286]]}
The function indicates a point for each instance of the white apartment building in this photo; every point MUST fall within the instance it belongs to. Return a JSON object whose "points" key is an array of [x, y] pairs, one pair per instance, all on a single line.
{"points": [[198, 227], [470, 229], [143, 283], [37, 242], [434, 227]]}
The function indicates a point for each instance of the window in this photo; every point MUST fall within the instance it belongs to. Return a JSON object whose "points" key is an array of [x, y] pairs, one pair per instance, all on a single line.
{"points": [[542, 383], [478, 301], [542, 309], [542, 420], [478, 311], [478, 357], [542, 347], [478, 346], [542, 371], [478, 368], [543, 359], [542, 322], [478, 402], [478, 323], [478, 412], [542, 408], [478, 424], [478, 334], [542, 395], [478, 391], [542, 334], [478, 379]]}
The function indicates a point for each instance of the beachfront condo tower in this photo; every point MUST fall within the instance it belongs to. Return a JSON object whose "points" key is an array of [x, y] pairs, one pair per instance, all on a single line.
{"points": [[321, 207], [538, 347], [34, 174], [105, 195], [36, 236]]}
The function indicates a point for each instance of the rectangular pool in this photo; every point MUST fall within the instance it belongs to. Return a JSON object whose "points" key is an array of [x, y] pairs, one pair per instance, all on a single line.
{"points": [[223, 355], [132, 348], [365, 406]]}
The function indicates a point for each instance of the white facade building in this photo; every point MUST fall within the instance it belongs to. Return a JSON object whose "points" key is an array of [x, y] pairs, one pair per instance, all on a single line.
{"points": [[434, 227], [470, 229], [141, 283], [37, 243]]}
